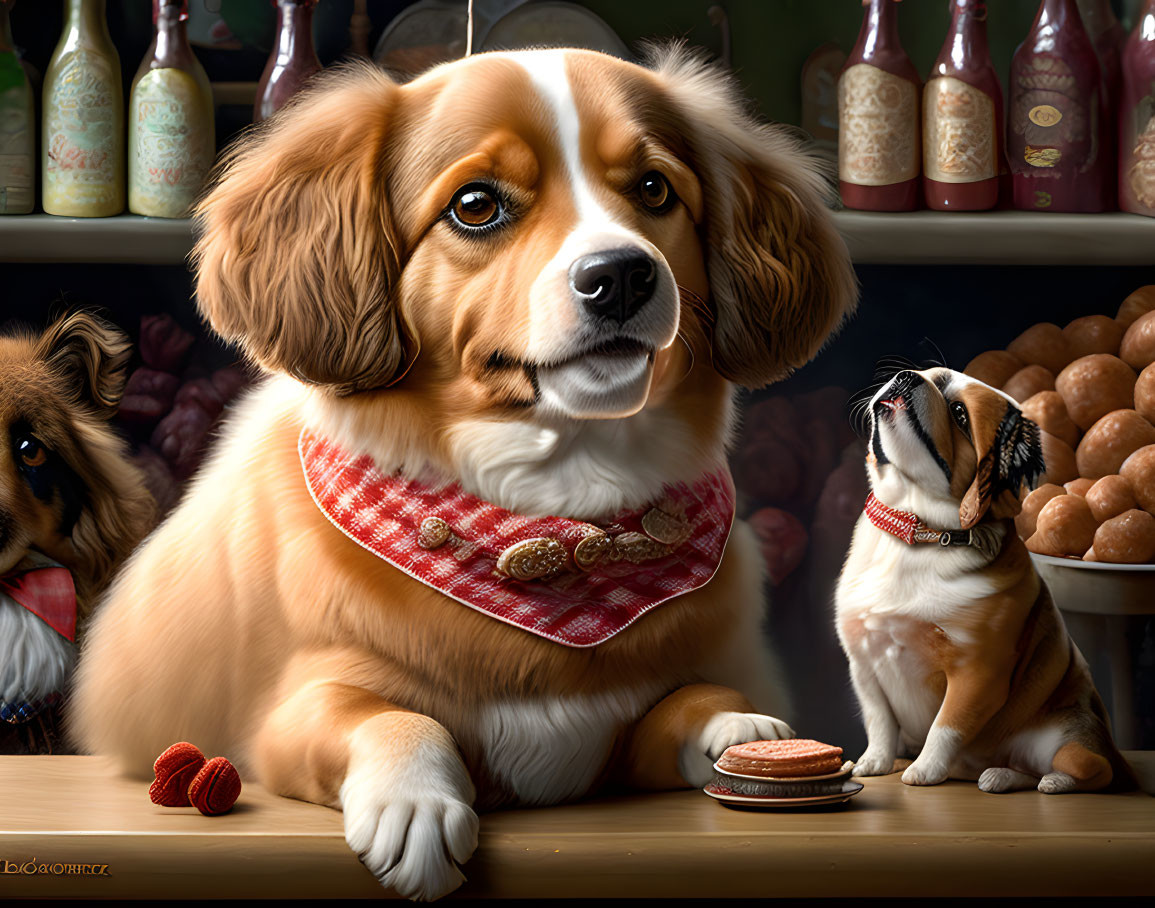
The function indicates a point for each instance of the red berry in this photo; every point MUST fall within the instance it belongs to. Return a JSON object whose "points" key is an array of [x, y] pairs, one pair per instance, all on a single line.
{"points": [[175, 770], [216, 787]]}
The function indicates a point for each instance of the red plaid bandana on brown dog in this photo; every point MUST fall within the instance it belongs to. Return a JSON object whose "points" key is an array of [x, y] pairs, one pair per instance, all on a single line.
{"points": [[569, 581]]}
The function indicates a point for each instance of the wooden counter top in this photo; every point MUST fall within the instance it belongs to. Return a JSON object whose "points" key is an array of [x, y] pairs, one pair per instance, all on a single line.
{"points": [[891, 840]]}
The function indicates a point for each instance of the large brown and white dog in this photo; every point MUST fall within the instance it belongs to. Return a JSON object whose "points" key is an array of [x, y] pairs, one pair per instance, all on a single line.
{"points": [[72, 506], [957, 652], [534, 275]]}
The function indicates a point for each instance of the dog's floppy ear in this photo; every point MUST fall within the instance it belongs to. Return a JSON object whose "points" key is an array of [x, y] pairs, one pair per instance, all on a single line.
{"points": [[780, 275], [1009, 451], [297, 254], [91, 355]]}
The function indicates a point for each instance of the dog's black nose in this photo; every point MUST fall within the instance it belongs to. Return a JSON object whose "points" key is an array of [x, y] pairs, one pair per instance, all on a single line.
{"points": [[614, 284]]}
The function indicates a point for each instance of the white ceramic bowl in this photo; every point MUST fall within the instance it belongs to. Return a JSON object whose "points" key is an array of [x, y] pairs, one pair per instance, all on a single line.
{"points": [[1098, 587]]}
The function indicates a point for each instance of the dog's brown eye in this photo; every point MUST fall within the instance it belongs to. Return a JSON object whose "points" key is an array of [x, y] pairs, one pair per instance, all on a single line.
{"points": [[476, 207], [959, 411], [32, 452], [656, 192]]}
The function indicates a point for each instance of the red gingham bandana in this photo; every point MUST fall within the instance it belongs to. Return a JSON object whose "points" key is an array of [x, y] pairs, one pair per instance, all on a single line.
{"points": [[47, 592], [455, 543]]}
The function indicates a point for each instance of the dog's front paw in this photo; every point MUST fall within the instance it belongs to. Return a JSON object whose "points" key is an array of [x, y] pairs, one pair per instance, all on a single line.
{"points": [[925, 772], [696, 762], [410, 821], [412, 842], [874, 763]]}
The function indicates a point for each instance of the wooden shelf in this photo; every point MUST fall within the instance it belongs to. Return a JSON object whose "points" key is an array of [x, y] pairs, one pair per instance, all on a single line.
{"points": [[890, 841], [997, 238], [124, 239], [912, 238]]}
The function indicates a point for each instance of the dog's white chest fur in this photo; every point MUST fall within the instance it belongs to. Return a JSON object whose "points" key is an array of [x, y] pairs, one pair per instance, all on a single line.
{"points": [[889, 597], [552, 749]]}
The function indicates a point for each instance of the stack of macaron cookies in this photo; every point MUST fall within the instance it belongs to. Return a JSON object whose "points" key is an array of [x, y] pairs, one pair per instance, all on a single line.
{"points": [[782, 773]]}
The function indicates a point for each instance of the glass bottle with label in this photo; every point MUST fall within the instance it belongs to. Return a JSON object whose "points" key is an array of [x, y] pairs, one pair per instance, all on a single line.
{"points": [[1137, 117], [962, 117], [878, 117], [1053, 115], [17, 126], [82, 148], [171, 139], [292, 61]]}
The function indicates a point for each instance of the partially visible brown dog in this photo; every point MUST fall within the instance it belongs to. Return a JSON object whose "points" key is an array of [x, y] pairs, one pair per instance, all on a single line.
{"points": [[68, 498]]}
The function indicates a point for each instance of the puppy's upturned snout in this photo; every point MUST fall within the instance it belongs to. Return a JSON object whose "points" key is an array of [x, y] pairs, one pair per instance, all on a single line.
{"points": [[904, 381], [614, 284]]}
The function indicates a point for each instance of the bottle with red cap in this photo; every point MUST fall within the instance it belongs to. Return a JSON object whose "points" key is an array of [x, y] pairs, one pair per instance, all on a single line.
{"points": [[171, 140], [1054, 113], [1137, 117], [878, 117], [17, 126], [292, 61], [962, 116]]}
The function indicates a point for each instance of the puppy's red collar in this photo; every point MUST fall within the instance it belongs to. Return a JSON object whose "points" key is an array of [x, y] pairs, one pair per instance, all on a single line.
{"points": [[570, 581], [910, 527]]}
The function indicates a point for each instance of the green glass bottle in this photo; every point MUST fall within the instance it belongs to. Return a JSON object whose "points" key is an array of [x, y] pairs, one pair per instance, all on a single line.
{"points": [[82, 151], [17, 126], [170, 120]]}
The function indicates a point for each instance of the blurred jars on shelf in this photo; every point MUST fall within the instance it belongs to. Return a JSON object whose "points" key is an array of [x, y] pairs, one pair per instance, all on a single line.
{"points": [[82, 149], [1137, 117], [962, 117], [878, 117], [171, 139], [1054, 129], [17, 126]]}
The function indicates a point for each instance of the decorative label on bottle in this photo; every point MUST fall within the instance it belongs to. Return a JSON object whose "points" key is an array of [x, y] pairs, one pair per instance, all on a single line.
{"points": [[81, 134], [959, 131], [170, 151], [878, 139], [1055, 119]]}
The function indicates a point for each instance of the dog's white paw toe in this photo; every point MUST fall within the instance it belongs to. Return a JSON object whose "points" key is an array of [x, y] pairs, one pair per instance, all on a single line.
{"points": [[924, 772], [1054, 783], [721, 731], [874, 764], [998, 779], [411, 844]]}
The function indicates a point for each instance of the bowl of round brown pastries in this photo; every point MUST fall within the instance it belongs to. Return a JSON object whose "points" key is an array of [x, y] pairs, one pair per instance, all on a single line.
{"points": [[1090, 387], [798, 772]]}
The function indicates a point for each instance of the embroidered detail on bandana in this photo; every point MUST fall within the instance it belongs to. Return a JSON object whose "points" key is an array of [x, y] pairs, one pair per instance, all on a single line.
{"points": [[572, 582]]}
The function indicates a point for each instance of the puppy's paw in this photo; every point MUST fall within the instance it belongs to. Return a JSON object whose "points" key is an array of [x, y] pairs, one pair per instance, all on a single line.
{"points": [[874, 763], [1054, 783], [696, 762], [412, 841], [998, 779], [925, 772]]}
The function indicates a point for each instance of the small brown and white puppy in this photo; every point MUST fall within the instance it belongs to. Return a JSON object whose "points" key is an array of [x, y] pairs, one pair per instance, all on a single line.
{"points": [[957, 652], [67, 489], [540, 275]]}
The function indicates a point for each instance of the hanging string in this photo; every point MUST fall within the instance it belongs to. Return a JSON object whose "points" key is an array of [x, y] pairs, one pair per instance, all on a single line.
{"points": [[469, 30]]}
